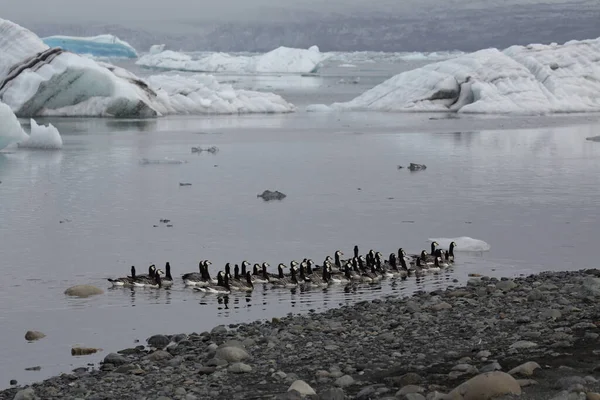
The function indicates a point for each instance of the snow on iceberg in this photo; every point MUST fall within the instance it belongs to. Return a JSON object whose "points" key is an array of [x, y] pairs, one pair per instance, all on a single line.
{"points": [[42, 137], [36, 80], [280, 60], [98, 46], [534, 79], [10, 128], [463, 243]]}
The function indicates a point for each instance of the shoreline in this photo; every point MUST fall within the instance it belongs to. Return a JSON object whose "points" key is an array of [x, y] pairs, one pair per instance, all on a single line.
{"points": [[408, 348]]}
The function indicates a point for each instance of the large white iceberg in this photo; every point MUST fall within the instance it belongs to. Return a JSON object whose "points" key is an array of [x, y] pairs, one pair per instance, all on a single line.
{"points": [[280, 60], [98, 46], [537, 79], [10, 128], [38, 80]]}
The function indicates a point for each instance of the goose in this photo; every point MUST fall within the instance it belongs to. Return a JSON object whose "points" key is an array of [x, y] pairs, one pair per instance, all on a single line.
{"points": [[315, 279], [409, 269], [145, 281], [168, 279], [195, 278], [222, 286], [440, 264], [284, 281], [338, 261], [124, 281], [338, 279], [260, 275], [150, 274], [244, 284], [450, 252], [355, 251]]}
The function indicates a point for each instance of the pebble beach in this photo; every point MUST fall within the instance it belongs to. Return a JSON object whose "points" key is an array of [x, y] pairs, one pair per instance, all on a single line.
{"points": [[533, 337]]}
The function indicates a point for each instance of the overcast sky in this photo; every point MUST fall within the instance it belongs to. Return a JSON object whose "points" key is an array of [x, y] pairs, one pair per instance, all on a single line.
{"points": [[140, 12]]}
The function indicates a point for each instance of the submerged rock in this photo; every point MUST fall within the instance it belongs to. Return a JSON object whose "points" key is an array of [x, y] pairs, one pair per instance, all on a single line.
{"points": [[416, 167], [268, 195], [83, 291], [83, 351]]}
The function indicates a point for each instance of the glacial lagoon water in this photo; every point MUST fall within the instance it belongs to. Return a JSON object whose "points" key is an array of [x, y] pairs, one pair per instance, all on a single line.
{"points": [[528, 186]]}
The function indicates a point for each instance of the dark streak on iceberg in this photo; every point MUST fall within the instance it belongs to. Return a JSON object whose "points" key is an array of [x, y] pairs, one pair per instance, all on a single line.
{"points": [[34, 63]]}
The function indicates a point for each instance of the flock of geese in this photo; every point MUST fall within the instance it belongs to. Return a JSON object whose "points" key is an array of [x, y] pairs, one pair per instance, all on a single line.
{"points": [[370, 268]]}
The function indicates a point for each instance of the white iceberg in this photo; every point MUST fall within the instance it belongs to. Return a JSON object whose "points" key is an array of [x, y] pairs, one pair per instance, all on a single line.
{"points": [[157, 48], [463, 243], [98, 46], [42, 137], [36, 80], [10, 128], [203, 94], [534, 79], [280, 60]]}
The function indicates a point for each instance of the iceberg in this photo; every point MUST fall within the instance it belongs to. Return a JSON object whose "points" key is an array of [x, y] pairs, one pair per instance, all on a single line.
{"points": [[36, 80], [10, 128], [97, 46], [280, 60], [463, 243], [533, 79], [42, 137]]}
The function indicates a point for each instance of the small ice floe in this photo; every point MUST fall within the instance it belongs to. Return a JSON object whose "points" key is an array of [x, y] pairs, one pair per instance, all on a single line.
{"points": [[463, 243], [593, 138], [268, 195], [42, 138], [211, 149], [148, 161]]}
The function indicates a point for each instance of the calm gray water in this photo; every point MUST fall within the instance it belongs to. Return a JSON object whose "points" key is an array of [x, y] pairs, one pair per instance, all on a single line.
{"points": [[530, 193]]}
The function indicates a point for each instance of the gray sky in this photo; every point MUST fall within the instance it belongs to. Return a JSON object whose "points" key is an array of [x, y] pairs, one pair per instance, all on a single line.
{"points": [[140, 12]]}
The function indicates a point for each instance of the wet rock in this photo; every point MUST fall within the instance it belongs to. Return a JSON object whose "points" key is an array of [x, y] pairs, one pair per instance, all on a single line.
{"points": [[416, 167], [522, 344], [36, 368], [13, 382], [239, 368], [268, 195], [525, 369], [158, 341], [83, 351], [486, 386], [527, 382], [115, 359], [568, 381], [25, 394], [290, 395], [231, 354], [410, 389], [34, 335], [83, 291], [218, 330], [592, 396], [332, 394], [344, 381], [302, 387], [206, 370]]}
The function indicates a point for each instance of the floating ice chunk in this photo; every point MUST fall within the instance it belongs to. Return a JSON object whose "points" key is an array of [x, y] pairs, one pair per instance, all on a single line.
{"points": [[10, 128], [157, 48], [280, 60], [463, 243], [42, 137], [534, 79], [99, 46], [318, 108], [203, 94]]}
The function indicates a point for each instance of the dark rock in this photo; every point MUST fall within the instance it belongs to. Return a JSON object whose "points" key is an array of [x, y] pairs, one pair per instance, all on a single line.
{"points": [[115, 359], [268, 195]]}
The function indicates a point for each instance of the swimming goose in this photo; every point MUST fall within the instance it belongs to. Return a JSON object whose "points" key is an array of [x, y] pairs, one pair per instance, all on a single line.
{"points": [[260, 275], [338, 279], [315, 279], [222, 286], [244, 284], [195, 278], [150, 274], [338, 261], [168, 279], [440, 264], [124, 281], [145, 281], [284, 281]]}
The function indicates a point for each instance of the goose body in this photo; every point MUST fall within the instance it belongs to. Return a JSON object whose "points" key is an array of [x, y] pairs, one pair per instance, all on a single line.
{"points": [[124, 281], [150, 282], [243, 285], [284, 281], [198, 278], [259, 274], [222, 286], [167, 281]]}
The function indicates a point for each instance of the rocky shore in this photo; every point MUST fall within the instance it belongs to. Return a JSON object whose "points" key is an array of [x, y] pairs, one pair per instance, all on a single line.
{"points": [[534, 337]]}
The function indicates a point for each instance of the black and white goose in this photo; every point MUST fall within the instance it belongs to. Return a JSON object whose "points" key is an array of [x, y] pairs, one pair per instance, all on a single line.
{"points": [[244, 284], [259, 274], [450, 252], [221, 287], [124, 281], [197, 278], [150, 282], [284, 281], [167, 281]]}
